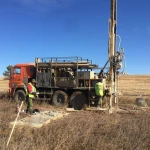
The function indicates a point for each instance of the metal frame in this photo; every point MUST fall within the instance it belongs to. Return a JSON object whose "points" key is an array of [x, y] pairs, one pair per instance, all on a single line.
{"points": [[64, 62], [77, 63]]}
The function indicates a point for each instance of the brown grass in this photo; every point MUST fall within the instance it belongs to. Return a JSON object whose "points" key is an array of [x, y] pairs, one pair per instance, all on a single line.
{"points": [[79, 130], [84, 129], [134, 84], [4, 83]]}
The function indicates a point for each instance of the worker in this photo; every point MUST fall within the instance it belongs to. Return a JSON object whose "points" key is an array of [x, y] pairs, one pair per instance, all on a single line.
{"points": [[99, 90], [31, 94]]}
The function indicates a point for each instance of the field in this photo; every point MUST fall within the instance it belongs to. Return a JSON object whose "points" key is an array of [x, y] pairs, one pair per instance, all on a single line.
{"points": [[90, 130], [3, 84], [135, 84]]}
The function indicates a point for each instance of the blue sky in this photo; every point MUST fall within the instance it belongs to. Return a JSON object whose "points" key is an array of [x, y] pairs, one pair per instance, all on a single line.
{"points": [[50, 28]]}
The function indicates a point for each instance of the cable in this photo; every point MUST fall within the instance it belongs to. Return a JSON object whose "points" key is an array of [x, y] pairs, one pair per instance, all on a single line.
{"points": [[124, 65]]}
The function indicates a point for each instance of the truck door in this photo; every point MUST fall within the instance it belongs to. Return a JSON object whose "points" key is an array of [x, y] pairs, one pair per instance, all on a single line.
{"points": [[16, 76]]}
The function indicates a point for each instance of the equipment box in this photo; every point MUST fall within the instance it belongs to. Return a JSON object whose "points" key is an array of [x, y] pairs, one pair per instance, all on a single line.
{"points": [[86, 75]]}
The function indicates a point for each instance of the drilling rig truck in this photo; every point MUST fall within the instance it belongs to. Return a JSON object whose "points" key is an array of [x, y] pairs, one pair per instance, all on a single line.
{"points": [[70, 81], [61, 81]]}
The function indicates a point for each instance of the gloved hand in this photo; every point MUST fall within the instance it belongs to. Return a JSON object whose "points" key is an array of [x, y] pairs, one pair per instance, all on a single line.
{"points": [[107, 92], [33, 93]]}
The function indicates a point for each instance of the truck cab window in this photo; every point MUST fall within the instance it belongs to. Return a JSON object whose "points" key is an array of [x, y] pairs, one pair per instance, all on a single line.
{"points": [[17, 71]]}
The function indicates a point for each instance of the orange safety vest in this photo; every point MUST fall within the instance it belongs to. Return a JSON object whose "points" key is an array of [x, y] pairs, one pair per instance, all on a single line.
{"points": [[33, 90]]}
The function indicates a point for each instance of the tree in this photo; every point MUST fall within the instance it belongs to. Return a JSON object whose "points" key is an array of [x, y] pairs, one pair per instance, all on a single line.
{"points": [[7, 72]]}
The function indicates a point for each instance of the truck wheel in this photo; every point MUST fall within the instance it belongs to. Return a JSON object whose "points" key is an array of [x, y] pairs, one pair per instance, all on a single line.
{"points": [[20, 96], [60, 98], [77, 100]]}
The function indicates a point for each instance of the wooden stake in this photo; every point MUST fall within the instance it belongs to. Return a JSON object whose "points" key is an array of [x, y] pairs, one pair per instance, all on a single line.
{"points": [[14, 124]]}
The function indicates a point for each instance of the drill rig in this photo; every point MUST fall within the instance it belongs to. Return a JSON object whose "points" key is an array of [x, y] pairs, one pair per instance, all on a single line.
{"points": [[115, 57], [70, 81]]}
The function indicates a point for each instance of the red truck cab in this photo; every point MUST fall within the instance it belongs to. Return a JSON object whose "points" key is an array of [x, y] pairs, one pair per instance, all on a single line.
{"points": [[20, 75]]}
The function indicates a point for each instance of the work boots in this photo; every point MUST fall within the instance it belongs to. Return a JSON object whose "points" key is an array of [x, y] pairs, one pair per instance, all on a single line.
{"points": [[98, 107], [29, 112]]}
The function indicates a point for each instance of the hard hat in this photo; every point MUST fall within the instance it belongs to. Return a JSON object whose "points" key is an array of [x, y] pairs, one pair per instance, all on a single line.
{"points": [[33, 81]]}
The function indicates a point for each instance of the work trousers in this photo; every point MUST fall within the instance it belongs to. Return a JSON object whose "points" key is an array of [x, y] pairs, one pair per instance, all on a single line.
{"points": [[100, 100], [29, 105]]}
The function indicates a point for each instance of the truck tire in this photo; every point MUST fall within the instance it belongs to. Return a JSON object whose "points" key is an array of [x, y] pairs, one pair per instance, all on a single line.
{"points": [[77, 100], [60, 98], [19, 96]]}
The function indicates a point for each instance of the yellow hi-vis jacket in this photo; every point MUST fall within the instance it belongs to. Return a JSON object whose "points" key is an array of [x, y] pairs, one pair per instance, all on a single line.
{"points": [[99, 89], [31, 95]]}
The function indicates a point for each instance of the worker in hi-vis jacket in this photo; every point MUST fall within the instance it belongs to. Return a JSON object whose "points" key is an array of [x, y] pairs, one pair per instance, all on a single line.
{"points": [[99, 90], [31, 94]]}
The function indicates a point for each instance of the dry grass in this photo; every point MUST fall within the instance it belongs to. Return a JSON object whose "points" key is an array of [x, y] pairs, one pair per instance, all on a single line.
{"points": [[79, 130], [4, 83], [134, 84], [83, 129]]}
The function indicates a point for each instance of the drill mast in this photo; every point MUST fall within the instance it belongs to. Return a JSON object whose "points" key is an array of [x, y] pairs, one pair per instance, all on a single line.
{"points": [[112, 53]]}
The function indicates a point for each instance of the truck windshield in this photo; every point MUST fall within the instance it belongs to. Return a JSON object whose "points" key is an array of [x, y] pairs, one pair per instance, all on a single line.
{"points": [[16, 71]]}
